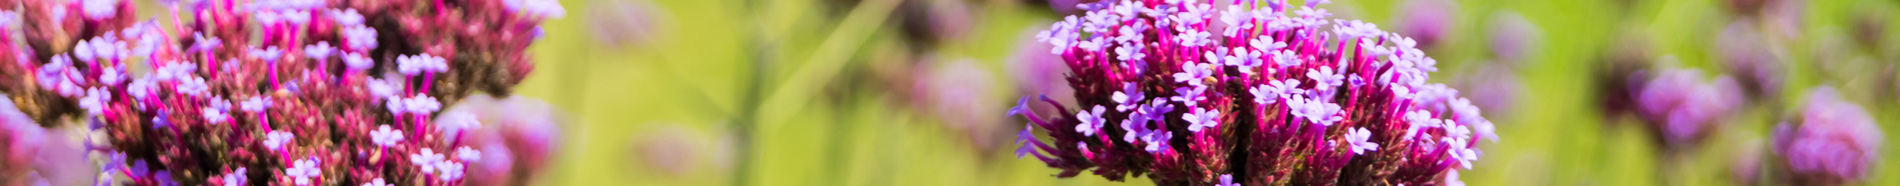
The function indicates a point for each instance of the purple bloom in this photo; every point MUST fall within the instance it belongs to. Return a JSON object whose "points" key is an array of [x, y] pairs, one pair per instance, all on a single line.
{"points": [[450, 170], [1326, 78], [1022, 105], [99, 9], [95, 101], [468, 154], [1201, 118], [255, 104], [275, 140], [422, 104], [426, 160], [236, 177], [1357, 139], [215, 115], [377, 182], [384, 136], [1207, 88], [537, 8], [1091, 121], [1227, 180], [1834, 142], [1027, 139], [1681, 105], [1128, 98], [1189, 96], [304, 171], [1192, 73], [321, 50], [270, 54], [359, 38], [356, 61], [413, 65], [347, 17]]}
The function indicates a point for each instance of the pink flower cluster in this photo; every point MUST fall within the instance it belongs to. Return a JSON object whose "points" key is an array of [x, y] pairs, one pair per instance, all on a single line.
{"points": [[1186, 94], [285, 92]]}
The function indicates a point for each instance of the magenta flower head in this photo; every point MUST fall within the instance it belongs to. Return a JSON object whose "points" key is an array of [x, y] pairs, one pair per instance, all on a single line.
{"points": [[1280, 95], [1683, 107], [246, 85], [1834, 141]]}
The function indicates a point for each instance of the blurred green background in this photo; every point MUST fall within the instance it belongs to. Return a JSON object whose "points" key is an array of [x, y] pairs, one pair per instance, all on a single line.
{"points": [[809, 92]]}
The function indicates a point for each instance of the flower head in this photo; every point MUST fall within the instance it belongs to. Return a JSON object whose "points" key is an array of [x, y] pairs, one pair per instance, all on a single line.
{"points": [[1357, 139], [426, 160], [275, 139], [384, 136], [1326, 73], [304, 171], [1091, 121]]}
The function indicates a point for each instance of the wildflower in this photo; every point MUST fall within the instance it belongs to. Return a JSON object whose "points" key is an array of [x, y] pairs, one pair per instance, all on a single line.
{"points": [[304, 171], [95, 101], [1357, 139], [1128, 98], [1201, 118], [255, 104], [1091, 121], [214, 115], [422, 104], [385, 137], [1833, 142], [1310, 80], [347, 17], [467, 154], [236, 177], [275, 139], [426, 160], [1227, 180], [357, 62], [377, 182], [450, 170], [359, 38], [99, 9], [458, 121], [319, 51]]}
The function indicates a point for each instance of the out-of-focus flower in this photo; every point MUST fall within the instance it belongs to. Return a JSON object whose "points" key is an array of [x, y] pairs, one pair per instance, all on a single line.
{"points": [[518, 138], [958, 91], [624, 23], [1513, 38], [1833, 142], [1427, 21], [1683, 107], [1745, 53], [928, 23], [20, 142], [1318, 116]]}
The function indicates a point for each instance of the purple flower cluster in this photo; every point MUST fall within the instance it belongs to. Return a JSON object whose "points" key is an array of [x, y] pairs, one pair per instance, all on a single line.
{"points": [[1834, 142], [228, 102], [1189, 95], [1683, 107]]}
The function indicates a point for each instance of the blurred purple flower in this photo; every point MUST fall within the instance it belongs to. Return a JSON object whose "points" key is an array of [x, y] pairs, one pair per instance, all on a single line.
{"points": [[1834, 142]]}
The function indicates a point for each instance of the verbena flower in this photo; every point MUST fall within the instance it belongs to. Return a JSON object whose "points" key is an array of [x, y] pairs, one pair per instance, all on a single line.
{"points": [[248, 86], [384, 136], [1683, 106], [1832, 143], [1341, 103]]}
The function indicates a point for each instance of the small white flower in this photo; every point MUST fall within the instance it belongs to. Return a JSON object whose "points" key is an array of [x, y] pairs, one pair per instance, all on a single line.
{"points": [[426, 159], [275, 139], [376, 182], [384, 136], [304, 171], [468, 154]]}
